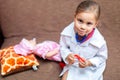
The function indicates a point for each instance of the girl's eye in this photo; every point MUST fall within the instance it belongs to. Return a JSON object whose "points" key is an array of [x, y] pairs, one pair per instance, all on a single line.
{"points": [[80, 20], [89, 23]]}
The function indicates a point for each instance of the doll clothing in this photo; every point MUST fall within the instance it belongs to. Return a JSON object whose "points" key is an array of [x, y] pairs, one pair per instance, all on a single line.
{"points": [[43, 48]]}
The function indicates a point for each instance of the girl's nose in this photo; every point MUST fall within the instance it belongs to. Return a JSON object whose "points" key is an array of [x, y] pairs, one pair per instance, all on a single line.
{"points": [[83, 26]]}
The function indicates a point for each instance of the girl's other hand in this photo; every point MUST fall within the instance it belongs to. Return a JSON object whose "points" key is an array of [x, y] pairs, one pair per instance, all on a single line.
{"points": [[70, 58], [85, 64]]}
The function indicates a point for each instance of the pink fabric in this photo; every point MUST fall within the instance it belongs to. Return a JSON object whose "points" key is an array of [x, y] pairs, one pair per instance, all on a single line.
{"points": [[43, 48], [25, 47]]}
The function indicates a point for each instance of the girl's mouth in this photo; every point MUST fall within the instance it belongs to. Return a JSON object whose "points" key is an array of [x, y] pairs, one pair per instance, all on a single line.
{"points": [[81, 33]]}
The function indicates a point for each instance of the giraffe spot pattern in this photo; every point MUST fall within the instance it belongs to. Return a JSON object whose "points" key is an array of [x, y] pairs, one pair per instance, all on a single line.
{"points": [[12, 62]]}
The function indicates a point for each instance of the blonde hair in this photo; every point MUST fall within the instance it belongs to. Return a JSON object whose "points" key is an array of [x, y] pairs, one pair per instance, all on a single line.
{"points": [[89, 6]]}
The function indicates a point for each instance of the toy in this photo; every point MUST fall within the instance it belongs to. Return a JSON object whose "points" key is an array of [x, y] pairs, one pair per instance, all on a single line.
{"points": [[48, 50], [25, 47], [12, 62], [79, 58], [62, 64]]}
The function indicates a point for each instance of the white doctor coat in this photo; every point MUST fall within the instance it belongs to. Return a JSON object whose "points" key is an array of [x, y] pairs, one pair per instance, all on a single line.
{"points": [[94, 49]]}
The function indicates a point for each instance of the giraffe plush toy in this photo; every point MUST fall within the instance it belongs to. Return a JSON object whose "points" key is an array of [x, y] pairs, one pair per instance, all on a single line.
{"points": [[12, 62]]}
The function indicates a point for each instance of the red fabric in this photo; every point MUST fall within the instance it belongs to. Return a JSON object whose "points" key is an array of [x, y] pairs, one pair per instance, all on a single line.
{"points": [[90, 34], [62, 64]]}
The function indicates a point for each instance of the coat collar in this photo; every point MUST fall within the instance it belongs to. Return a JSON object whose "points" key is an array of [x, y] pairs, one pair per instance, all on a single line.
{"points": [[69, 32], [96, 40]]}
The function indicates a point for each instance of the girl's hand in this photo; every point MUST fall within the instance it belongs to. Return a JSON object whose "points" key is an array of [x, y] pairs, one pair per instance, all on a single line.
{"points": [[70, 58], [85, 64]]}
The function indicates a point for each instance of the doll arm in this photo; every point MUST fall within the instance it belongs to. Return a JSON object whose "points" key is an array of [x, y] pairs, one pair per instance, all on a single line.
{"points": [[48, 50], [51, 53]]}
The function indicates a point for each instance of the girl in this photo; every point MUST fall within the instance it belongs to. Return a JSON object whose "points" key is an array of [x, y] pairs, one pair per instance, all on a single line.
{"points": [[83, 39]]}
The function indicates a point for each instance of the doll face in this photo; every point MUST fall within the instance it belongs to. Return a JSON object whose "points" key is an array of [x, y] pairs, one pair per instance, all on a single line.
{"points": [[84, 23]]}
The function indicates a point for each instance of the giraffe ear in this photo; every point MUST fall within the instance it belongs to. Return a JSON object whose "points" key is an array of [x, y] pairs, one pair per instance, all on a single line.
{"points": [[12, 62]]}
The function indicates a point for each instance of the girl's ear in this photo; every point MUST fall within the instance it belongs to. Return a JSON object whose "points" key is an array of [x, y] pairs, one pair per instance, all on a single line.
{"points": [[96, 24], [74, 19], [74, 15]]}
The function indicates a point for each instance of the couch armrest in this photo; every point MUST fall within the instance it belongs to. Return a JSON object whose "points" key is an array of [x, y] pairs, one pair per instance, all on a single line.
{"points": [[1, 37]]}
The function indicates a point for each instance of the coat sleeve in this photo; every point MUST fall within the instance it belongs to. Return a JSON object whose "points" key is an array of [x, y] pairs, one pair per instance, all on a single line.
{"points": [[64, 48], [100, 57]]}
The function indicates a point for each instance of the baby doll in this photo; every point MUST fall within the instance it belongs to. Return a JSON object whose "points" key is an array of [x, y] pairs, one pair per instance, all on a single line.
{"points": [[47, 49]]}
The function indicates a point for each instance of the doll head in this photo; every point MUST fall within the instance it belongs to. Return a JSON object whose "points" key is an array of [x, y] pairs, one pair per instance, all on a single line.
{"points": [[25, 46]]}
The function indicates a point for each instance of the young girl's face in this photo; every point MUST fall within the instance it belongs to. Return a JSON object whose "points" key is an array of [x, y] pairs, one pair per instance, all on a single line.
{"points": [[85, 22]]}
